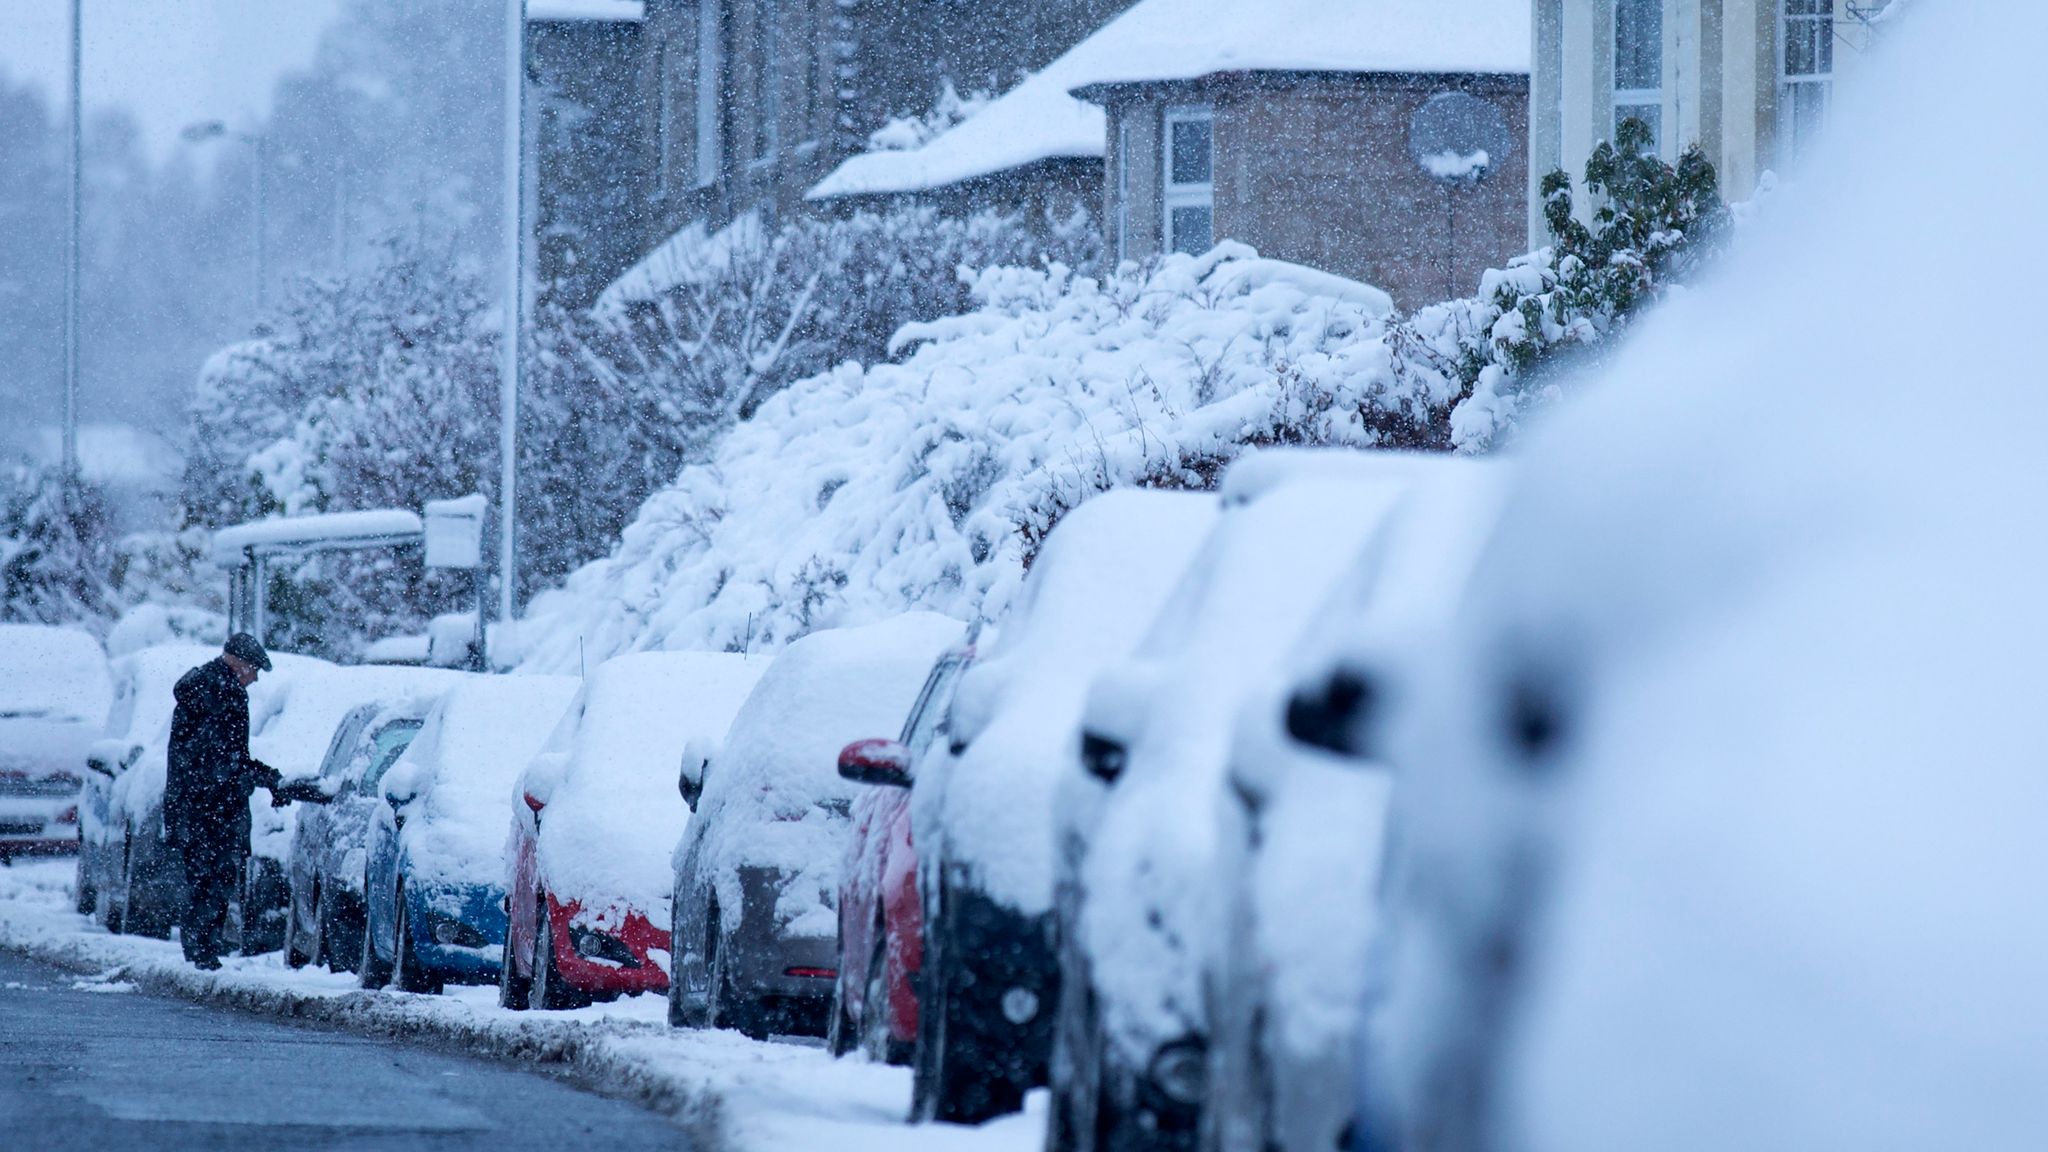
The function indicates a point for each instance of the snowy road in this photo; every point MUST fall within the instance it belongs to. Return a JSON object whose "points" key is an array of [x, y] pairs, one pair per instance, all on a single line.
{"points": [[89, 1065]]}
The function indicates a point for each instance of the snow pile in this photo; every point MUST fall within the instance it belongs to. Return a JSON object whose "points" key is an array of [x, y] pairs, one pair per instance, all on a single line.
{"points": [[724, 1091], [1161, 40], [1101, 577], [925, 484], [772, 795], [902, 133], [150, 625], [1766, 611], [52, 674], [1150, 923], [614, 817], [462, 767]]}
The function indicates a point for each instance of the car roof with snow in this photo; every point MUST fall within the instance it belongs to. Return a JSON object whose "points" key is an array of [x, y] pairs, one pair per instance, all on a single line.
{"points": [[308, 702], [612, 821], [1097, 582], [50, 674], [464, 763]]}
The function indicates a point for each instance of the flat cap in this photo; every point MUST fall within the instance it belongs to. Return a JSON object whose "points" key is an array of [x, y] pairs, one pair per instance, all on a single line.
{"points": [[248, 650]]}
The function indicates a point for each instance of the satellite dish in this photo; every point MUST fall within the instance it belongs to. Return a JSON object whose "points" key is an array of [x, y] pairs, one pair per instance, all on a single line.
{"points": [[1457, 138]]}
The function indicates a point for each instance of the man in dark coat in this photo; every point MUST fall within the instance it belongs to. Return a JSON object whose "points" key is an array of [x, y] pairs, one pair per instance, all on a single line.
{"points": [[207, 787]]}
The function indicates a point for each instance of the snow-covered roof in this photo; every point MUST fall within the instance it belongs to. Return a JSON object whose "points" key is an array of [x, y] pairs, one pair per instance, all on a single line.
{"points": [[544, 11], [327, 530], [1162, 40]]}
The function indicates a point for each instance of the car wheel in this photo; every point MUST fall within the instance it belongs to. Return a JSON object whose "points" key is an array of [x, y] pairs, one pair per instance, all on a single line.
{"points": [[340, 928], [515, 992], [293, 957], [139, 915], [876, 1039], [728, 1008], [550, 991], [841, 1035], [678, 1015], [926, 1082], [406, 970], [84, 897], [372, 971]]}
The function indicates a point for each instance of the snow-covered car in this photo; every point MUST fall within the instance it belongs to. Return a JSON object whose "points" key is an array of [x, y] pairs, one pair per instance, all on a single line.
{"points": [[881, 918], [757, 870], [1139, 907], [1731, 829], [150, 891], [138, 727], [54, 692], [1302, 837], [595, 819], [434, 879], [982, 807], [324, 865], [292, 732]]}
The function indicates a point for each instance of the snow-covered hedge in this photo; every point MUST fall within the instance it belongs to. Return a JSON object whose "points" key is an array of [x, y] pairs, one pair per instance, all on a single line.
{"points": [[861, 492]]}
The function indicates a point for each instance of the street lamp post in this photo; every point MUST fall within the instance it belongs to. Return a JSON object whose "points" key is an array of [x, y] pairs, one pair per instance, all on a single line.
{"points": [[71, 250], [259, 145], [514, 217]]}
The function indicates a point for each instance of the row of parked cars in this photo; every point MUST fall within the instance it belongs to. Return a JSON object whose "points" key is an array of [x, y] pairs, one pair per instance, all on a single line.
{"points": [[1102, 843]]}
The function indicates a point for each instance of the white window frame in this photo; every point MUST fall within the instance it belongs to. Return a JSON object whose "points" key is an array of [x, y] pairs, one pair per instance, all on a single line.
{"points": [[1201, 195], [1630, 101], [710, 79], [1793, 89]]}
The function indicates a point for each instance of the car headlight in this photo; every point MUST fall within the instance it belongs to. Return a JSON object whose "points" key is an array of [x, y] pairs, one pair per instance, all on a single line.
{"points": [[592, 945], [454, 933], [1020, 1006], [1181, 1072]]}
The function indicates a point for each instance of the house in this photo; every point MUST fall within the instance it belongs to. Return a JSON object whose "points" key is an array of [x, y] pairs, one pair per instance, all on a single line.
{"points": [[747, 104], [1749, 81], [1381, 140], [586, 167]]}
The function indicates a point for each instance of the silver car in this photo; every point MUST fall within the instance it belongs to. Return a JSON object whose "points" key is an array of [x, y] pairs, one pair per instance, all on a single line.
{"points": [[756, 929]]}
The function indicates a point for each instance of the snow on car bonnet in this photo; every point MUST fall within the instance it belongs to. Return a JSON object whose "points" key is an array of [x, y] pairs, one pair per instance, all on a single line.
{"points": [[613, 819], [1780, 577], [464, 763], [57, 675]]}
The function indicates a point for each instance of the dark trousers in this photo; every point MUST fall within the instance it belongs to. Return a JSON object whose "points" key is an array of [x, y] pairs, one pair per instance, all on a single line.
{"points": [[210, 876]]}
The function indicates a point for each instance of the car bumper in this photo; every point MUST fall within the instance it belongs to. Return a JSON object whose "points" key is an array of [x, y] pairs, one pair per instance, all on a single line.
{"points": [[1004, 1007], [459, 930]]}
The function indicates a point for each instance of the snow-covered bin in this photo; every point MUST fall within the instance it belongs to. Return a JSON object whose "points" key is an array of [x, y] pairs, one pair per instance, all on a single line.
{"points": [[1737, 752], [757, 870], [1142, 911], [54, 692], [1303, 830], [598, 849], [982, 817]]}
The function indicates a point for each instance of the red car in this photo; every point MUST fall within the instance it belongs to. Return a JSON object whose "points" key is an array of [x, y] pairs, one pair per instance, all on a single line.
{"points": [[595, 822], [881, 919]]}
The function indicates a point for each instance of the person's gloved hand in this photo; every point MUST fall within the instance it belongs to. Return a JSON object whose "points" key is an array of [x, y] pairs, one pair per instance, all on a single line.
{"points": [[307, 790]]}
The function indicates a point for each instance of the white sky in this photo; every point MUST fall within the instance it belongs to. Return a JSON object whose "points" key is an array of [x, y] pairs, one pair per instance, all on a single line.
{"points": [[169, 62]]}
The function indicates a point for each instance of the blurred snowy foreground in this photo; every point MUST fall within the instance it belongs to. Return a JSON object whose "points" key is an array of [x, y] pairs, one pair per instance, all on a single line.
{"points": [[728, 1091]]}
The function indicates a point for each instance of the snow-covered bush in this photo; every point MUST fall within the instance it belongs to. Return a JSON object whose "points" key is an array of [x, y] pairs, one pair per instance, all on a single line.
{"points": [[860, 492], [1654, 225], [56, 553], [903, 133]]}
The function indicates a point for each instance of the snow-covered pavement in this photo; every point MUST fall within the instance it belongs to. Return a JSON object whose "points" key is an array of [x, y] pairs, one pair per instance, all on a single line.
{"points": [[730, 1092]]}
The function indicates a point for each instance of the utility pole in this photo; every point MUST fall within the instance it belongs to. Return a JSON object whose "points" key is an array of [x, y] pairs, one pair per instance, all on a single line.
{"points": [[259, 150], [71, 251], [515, 303]]}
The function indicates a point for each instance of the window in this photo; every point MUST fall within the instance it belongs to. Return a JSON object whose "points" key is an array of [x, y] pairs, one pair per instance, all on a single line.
{"points": [[1639, 65], [1190, 200], [1123, 189], [386, 747], [767, 79], [1806, 73], [710, 67]]}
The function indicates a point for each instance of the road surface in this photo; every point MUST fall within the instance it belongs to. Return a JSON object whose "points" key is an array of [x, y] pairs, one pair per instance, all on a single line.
{"points": [[117, 1070]]}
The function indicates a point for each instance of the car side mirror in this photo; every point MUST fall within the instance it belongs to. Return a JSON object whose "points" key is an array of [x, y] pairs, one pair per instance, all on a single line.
{"points": [[1104, 758], [690, 780], [401, 786], [110, 758], [884, 763], [1329, 714]]}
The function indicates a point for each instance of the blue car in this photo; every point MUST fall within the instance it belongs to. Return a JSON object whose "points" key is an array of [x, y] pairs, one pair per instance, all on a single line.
{"points": [[434, 871]]}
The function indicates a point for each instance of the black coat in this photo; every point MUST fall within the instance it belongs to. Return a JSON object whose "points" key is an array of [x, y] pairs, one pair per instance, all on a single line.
{"points": [[211, 775]]}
